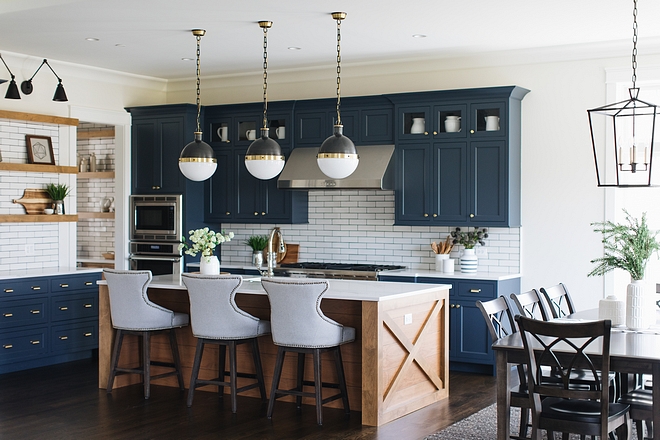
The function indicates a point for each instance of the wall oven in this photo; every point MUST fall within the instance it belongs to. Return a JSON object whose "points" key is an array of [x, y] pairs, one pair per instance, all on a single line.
{"points": [[159, 258]]}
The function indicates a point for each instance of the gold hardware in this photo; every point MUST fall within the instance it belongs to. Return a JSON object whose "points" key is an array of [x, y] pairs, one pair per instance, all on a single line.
{"points": [[227, 213], [7, 315], [263, 213], [64, 338], [471, 215], [426, 215], [36, 287], [35, 312], [435, 132], [452, 306], [88, 283], [256, 213], [475, 290], [63, 308], [155, 187], [435, 215], [88, 334], [64, 285], [426, 133], [7, 346], [458, 306], [9, 290], [87, 306], [35, 342]]}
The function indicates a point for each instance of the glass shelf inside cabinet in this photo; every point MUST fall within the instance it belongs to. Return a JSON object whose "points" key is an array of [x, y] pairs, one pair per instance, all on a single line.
{"points": [[220, 132], [488, 119], [450, 121], [247, 131], [414, 123], [277, 129]]}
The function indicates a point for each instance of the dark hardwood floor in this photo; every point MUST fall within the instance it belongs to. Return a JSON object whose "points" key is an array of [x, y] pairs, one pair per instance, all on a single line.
{"points": [[64, 402]]}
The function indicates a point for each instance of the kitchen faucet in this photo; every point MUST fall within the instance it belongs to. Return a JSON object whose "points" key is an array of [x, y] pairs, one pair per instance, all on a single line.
{"points": [[271, 257]]}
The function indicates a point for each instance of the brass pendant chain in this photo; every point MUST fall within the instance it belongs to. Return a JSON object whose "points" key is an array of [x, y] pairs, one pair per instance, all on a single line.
{"points": [[634, 51], [265, 76], [338, 70], [199, 101]]}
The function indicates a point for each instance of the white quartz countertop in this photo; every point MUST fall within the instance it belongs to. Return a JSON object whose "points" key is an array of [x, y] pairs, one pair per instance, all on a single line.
{"points": [[458, 275], [46, 272], [338, 289]]}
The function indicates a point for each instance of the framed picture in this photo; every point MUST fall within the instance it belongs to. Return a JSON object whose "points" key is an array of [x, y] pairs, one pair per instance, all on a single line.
{"points": [[40, 149]]}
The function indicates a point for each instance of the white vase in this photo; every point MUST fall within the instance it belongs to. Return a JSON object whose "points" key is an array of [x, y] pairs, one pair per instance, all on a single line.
{"points": [[469, 261], [209, 265], [637, 307], [418, 126], [613, 309]]}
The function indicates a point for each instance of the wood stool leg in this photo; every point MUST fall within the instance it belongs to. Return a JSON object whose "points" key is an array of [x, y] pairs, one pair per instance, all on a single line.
{"points": [[119, 337], [342, 380], [318, 386], [195, 371], [299, 378], [276, 381], [146, 363], [258, 368], [222, 355], [176, 358], [232, 374]]}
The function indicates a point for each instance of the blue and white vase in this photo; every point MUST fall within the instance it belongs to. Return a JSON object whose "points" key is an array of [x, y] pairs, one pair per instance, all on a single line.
{"points": [[469, 261]]}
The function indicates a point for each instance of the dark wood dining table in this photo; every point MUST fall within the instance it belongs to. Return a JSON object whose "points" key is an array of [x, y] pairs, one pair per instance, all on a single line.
{"points": [[630, 352]]}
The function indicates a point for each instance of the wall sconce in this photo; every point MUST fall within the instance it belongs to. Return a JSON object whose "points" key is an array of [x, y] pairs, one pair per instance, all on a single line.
{"points": [[12, 89], [60, 95]]}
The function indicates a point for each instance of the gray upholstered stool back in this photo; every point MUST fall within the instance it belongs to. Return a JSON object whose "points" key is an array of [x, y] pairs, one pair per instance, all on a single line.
{"points": [[131, 309], [213, 311], [296, 317]]}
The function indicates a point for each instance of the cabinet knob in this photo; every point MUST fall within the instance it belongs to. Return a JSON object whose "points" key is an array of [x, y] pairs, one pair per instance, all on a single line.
{"points": [[435, 132], [155, 187], [227, 213], [458, 306], [426, 133], [256, 213], [435, 215], [471, 131], [452, 306], [263, 213], [426, 215], [471, 215]]}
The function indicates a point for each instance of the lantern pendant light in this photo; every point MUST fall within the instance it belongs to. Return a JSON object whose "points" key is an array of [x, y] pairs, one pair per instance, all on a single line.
{"points": [[197, 161], [628, 163], [263, 158], [337, 158]]}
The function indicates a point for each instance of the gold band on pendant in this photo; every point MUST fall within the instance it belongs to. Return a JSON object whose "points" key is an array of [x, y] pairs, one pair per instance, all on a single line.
{"points": [[264, 157], [337, 156], [199, 159]]}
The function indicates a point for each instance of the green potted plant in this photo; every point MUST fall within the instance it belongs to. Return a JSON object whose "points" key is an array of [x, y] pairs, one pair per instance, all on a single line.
{"points": [[469, 239], [258, 243], [57, 192], [628, 246]]}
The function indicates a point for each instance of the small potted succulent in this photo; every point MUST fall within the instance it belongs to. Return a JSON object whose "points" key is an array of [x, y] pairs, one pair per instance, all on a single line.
{"points": [[57, 192], [258, 243]]}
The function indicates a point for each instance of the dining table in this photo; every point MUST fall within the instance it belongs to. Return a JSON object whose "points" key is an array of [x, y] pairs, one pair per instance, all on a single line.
{"points": [[631, 351]]}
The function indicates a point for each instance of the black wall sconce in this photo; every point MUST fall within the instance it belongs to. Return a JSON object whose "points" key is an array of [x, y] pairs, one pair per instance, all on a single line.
{"points": [[12, 89], [60, 95]]}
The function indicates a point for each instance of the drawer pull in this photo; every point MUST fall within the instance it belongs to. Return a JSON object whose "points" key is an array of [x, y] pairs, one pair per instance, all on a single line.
{"points": [[88, 283], [35, 312], [64, 338], [7, 315], [35, 342], [64, 285], [87, 306], [36, 287], [7, 346], [9, 290], [64, 308], [475, 290], [88, 334]]}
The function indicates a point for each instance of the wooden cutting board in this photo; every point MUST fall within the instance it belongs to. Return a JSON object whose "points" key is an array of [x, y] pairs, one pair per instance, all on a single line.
{"points": [[34, 200]]}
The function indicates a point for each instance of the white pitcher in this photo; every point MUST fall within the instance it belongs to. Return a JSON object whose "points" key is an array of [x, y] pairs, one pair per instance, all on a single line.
{"points": [[452, 124], [492, 123], [418, 126]]}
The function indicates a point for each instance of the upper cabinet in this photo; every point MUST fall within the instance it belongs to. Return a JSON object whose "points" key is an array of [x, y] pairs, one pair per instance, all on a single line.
{"points": [[458, 154]]}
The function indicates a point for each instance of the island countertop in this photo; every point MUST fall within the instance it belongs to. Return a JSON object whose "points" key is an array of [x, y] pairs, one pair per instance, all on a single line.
{"points": [[45, 272], [349, 290]]}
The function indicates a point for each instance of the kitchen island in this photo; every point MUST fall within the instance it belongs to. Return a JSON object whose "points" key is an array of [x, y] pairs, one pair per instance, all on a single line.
{"points": [[398, 363]]}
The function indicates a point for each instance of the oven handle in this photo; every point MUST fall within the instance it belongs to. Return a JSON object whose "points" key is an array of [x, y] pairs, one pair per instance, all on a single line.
{"points": [[152, 258]]}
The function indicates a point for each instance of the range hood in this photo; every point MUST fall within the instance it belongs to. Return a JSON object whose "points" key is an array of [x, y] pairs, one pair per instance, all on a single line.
{"points": [[375, 170]]}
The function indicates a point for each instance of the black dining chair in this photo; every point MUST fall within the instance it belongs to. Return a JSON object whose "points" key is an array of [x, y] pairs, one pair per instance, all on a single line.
{"points": [[559, 301], [531, 305], [565, 347]]}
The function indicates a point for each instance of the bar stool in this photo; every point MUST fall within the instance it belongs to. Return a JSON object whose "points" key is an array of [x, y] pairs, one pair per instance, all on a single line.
{"points": [[216, 319], [299, 326], [133, 313]]}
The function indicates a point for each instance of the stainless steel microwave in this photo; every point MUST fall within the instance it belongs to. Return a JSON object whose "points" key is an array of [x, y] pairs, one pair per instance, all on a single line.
{"points": [[156, 217]]}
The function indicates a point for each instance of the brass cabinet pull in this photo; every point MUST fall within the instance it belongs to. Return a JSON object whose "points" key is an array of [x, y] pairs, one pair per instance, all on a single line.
{"points": [[426, 215], [458, 306], [64, 285], [155, 187], [475, 290], [35, 312], [88, 334], [7, 315], [7, 346], [64, 308], [435, 215], [263, 213], [453, 306], [256, 213], [426, 133], [36, 287], [227, 213], [87, 306], [471, 131], [88, 283], [471, 215], [435, 132], [64, 338], [35, 342], [9, 290]]}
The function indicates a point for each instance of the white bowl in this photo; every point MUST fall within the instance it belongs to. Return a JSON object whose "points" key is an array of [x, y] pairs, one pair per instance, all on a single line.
{"points": [[48, 211]]}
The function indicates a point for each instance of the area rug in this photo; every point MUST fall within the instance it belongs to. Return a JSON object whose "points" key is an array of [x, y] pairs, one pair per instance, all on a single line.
{"points": [[483, 426]]}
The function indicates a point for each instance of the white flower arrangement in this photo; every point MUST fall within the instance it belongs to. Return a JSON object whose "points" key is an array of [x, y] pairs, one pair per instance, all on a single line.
{"points": [[205, 241]]}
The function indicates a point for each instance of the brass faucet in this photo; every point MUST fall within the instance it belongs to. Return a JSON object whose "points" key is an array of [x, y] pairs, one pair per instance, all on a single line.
{"points": [[271, 258]]}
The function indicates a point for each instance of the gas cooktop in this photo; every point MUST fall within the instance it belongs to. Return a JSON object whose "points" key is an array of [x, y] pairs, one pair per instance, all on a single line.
{"points": [[334, 270]]}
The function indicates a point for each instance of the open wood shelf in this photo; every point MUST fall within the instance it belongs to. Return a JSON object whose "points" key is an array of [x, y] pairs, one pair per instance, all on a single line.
{"points": [[100, 133], [97, 175], [38, 168], [38, 218], [35, 117], [108, 215]]}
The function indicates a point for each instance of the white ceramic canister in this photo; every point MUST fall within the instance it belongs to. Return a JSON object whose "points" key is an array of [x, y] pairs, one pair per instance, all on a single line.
{"points": [[613, 309], [440, 260]]}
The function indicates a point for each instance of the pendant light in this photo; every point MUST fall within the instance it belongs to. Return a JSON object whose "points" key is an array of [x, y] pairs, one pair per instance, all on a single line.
{"points": [[263, 158], [337, 158], [197, 161], [627, 163]]}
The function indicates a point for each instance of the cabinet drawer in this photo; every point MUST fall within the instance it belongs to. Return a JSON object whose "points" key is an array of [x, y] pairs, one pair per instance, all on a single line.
{"points": [[475, 289], [79, 306], [24, 286], [74, 282], [23, 312], [23, 344], [74, 337]]}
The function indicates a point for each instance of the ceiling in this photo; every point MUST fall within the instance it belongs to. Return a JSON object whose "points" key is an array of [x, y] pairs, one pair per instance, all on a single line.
{"points": [[150, 37]]}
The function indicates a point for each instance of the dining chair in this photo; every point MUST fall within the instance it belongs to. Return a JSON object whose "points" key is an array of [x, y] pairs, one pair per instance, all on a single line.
{"points": [[531, 305], [640, 400], [565, 347], [558, 300]]}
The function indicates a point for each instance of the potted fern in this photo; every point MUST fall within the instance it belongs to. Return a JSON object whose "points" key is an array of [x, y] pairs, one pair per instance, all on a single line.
{"points": [[258, 243], [628, 246], [57, 192]]}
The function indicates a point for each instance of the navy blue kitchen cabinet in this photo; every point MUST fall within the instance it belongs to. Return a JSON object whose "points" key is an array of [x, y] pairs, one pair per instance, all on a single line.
{"points": [[470, 142], [48, 320], [232, 194]]}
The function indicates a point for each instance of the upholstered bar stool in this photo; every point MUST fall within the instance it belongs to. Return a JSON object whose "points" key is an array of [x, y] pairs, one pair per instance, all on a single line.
{"points": [[216, 319], [133, 313], [298, 325]]}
